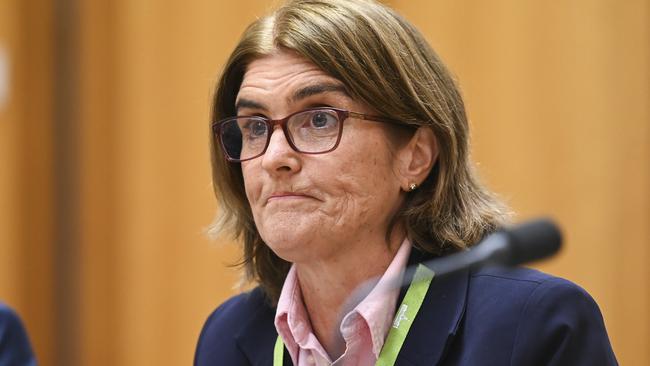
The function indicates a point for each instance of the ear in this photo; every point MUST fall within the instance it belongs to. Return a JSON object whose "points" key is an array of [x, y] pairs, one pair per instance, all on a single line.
{"points": [[417, 157]]}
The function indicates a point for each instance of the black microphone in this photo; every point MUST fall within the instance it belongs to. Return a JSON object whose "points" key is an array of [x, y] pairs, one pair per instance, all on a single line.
{"points": [[519, 244], [523, 243]]}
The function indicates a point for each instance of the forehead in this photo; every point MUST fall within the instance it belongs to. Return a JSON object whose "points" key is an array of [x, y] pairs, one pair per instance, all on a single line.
{"points": [[280, 65], [285, 77]]}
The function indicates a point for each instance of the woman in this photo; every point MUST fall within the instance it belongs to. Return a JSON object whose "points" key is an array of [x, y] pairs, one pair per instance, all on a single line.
{"points": [[340, 154]]}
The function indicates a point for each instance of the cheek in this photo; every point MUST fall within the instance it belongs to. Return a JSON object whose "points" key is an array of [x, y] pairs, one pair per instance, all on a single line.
{"points": [[356, 189], [362, 190]]}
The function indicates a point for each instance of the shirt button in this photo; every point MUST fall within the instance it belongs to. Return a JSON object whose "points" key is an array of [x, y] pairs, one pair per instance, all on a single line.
{"points": [[310, 360]]}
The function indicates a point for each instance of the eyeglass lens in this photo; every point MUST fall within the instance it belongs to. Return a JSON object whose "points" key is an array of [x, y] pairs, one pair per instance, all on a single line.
{"points": [[312, 131]]}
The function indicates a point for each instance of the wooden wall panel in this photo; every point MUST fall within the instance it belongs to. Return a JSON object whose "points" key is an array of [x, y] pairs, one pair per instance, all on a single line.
{"points": [[26, 173], [150, 275], [99, 297], [9, 117], [558, 95]]}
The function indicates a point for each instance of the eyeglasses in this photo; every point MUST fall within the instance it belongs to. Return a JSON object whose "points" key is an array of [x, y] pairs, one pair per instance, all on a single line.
{"points": [[312, 131]]}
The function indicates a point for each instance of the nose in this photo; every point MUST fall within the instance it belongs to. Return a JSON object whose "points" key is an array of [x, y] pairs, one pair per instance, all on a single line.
{"points": [[279, 156]]}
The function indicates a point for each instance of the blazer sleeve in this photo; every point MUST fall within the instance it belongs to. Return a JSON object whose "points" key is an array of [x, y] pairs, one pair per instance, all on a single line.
{"points": [[561, 325], [15, 349]]}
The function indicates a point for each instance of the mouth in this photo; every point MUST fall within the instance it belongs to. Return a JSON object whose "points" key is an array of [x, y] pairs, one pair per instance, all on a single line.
{"points": [[280, 196]]}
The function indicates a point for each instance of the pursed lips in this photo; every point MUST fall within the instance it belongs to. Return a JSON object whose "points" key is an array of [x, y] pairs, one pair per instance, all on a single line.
{"points": [[275, 196]]}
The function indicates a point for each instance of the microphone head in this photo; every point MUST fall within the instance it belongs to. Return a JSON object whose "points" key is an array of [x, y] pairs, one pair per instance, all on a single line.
{"points": [[533, 240]]}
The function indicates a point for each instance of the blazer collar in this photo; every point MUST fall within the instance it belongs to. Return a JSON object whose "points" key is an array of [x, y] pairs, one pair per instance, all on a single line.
{"points": [[429, 337], [439, 317]]}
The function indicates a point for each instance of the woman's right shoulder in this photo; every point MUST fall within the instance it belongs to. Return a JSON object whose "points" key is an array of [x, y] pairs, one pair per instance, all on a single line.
{"points": [[231, 311], [218, 339]]}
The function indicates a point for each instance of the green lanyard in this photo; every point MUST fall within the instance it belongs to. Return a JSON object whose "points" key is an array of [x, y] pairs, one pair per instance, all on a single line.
{"points": [[403, 319]]}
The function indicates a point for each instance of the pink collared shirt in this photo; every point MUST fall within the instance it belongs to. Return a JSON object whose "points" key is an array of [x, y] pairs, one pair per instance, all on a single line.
{"points": [[364, 328]]}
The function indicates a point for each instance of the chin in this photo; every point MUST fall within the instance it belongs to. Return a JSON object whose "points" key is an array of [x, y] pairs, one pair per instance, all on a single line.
{"points": [[293, 236], [290, 246]]}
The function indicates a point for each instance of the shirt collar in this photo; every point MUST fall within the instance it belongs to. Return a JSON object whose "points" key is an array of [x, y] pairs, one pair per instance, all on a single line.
{"points": [[376, 309]]}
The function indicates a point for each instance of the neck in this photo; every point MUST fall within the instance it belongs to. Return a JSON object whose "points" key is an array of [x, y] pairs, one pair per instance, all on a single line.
{"points": [[327, 284]]}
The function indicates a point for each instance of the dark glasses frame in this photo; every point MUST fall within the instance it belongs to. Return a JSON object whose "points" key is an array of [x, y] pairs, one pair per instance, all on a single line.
{"points": [[342, 115]]}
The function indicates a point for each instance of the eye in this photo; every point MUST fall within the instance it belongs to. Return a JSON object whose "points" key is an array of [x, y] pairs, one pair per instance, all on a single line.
{"points": [[254, 128], [322, 119], [258, 128]]}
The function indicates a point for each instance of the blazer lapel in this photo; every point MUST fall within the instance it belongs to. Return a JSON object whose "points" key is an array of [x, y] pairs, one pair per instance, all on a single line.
{"points": [[438, 319], [429, 337], [257, 336]]}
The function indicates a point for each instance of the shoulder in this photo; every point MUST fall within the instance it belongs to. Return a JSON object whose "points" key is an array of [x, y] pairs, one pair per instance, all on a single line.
{"points": [[499, 298], [230, 314], [534, 316], [531, 290], [519, 283], [227, 323], [14, 342]]}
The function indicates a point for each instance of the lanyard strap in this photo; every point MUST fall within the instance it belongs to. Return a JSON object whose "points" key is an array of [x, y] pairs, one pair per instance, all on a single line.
{"points": [[278, 352], [401, 324], [405, 315]]}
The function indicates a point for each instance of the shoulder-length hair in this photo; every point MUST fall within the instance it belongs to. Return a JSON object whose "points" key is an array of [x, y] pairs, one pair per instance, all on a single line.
{"points": [[384, 62]]}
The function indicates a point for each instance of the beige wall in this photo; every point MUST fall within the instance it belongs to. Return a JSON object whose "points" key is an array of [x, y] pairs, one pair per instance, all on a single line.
{"points": [[26, 176], [557, 93]]}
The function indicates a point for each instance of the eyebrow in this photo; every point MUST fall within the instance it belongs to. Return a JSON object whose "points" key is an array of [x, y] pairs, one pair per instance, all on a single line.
{"points": [[300, 94], [247, 103], [319, 88]]}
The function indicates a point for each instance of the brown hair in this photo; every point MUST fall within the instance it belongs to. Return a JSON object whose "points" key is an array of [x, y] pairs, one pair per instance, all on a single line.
{"points": [[385, 63]]}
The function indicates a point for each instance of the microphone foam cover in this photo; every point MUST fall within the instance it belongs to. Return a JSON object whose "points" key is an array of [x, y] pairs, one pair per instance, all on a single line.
{"points": [[533, 240]]}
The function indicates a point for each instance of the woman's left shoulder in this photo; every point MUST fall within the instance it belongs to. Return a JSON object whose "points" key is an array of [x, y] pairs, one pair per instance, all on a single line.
{"points": [[526, 282], [547, 317], [533, 290]]}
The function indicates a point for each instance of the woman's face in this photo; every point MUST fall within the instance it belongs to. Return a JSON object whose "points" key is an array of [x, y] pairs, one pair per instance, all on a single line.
{"points": [[315, 207]]}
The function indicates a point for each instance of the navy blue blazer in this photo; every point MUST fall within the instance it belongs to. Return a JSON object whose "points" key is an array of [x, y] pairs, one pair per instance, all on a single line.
{"points": [[493, 316], [14, 344]]}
